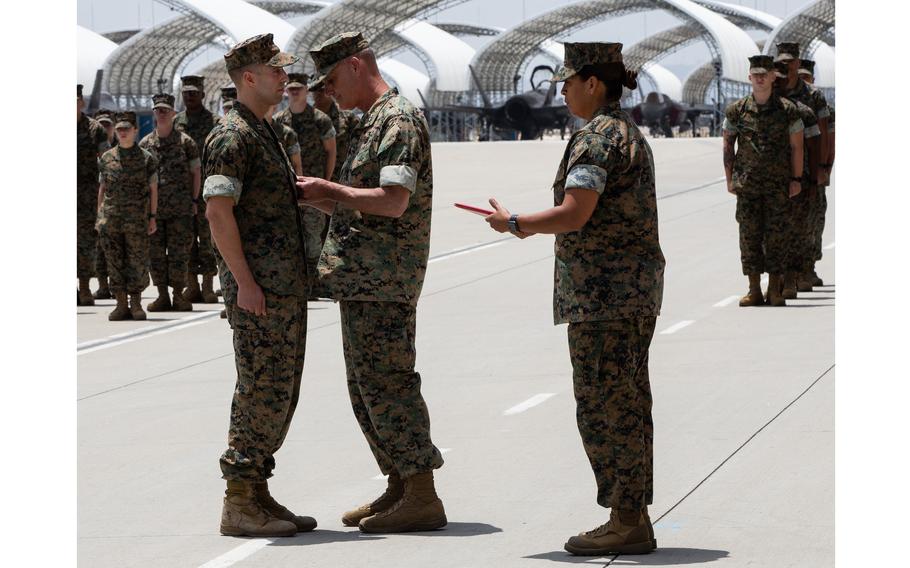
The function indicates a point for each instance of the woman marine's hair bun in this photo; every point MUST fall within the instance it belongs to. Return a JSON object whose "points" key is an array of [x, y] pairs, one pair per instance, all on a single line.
{"points": [[630, 81]]}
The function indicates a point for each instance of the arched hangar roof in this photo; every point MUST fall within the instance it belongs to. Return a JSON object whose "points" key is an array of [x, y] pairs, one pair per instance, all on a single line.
{"points": [[92, 51], [133, 70], [503, 58], [813, 21], [371, 17]]}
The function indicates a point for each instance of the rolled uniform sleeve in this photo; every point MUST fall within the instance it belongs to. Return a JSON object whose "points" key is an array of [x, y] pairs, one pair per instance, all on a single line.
{"points": [[225, 162], [400, 153], [326, 128], [591, 160], [730, 119], [587, 176]]}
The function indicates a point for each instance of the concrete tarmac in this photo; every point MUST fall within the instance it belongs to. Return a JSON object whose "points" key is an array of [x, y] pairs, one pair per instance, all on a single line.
{"points": [[743, 403]]}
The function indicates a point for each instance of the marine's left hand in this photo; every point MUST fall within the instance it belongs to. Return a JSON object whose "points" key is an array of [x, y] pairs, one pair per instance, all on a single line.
{"points": [[499, 220], [795, 188], [312, 189], [153, 226]]}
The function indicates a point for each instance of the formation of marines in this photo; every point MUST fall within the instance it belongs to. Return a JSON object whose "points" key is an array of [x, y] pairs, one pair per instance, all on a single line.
{"points": [[255, 190], [778, 154]]}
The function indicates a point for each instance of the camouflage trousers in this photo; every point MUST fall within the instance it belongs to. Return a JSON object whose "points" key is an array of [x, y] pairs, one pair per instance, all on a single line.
{"points": [[613, 407], [268, 354], [202, 253], [800, 240], [379, 354], [86, 237], [127, 255], [763, 230], [169, 251], [818, 228], [100, 262], [314, 223]]}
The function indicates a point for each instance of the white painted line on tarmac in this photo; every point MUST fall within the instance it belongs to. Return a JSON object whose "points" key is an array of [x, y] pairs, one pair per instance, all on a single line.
{"points": [[829, 247], [530, 403], [677, 326], [142, 333], [468, 250], [726, 301], [381, 477], [239, 554]]}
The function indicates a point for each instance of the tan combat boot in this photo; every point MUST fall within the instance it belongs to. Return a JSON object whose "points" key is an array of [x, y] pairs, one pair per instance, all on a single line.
{"points": [[104, 290], [789, 287], [122, 311], [419, 509], [393, 492], [804, 282], [774, 296], [136, 307], [180, 303], [644, 514], [192, 292], [85, 298], [162, 303], [754, 297], [208, 293], [242, 515], [815, 278], [625, 533], [279, 511]]}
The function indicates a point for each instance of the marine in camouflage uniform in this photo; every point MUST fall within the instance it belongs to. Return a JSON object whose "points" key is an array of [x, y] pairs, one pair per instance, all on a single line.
{"points": [[178, 190], [798, 89], [288, 139], [608, 288], [126, 218], [105, 118], [374, 264], [252, 204], [316, 136], [228, 96], [758, 174], [197, 121], [345, 123], [803, 206], [91, 141]]}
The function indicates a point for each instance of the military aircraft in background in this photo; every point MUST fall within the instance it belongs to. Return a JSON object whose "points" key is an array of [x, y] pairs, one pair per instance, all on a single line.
{"points": [[661, 114], [529, 113]]}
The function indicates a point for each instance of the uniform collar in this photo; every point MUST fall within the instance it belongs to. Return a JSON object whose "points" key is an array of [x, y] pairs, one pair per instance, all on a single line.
{"points": [[609, 108], [370, 116]]}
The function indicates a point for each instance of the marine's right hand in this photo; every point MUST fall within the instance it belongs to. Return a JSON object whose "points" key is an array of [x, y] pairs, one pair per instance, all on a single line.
{"points": [[251, 299]]}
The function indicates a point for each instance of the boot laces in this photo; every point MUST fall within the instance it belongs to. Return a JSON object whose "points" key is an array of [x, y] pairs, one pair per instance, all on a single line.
{"points": [[601, 530]]}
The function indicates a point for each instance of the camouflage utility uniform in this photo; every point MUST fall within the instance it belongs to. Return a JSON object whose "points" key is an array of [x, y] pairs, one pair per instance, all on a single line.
{"points": [[243, 159], [818, 222], [609, 288], [91, 140], [375, 267], [803, 207], [123, 220], [345, 122], [761, 173], [813, 203], [202, 255], [288, 138], [312, 127], [169, 246]]}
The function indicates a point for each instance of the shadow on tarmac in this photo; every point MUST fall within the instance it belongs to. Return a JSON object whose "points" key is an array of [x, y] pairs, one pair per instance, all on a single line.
{"points": [[319, 536], [660, 557]]}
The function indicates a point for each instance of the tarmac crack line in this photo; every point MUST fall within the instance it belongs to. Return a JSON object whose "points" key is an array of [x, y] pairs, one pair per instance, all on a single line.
{"points": [[736, 451]]}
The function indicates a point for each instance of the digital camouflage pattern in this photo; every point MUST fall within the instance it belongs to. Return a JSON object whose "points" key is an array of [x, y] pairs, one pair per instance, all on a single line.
{"points": [[169, 251], [334, 50], [379, 354], [579, 55], [762, 162], [288, 138], [369, 257], [177, 157], [787, 51], [613, 407], [170, 246], [761, 173], [821, 208], [202, 255], [268, 353], [91, 141], [192, 83], [761, 64], [123, 219], [258, 49], [344, 122], [613, 267], [312, 127], [243, 158], [163, 100]]}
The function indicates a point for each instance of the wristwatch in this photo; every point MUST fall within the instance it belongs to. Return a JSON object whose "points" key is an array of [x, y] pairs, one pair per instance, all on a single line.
{"points": [[513, 223]]}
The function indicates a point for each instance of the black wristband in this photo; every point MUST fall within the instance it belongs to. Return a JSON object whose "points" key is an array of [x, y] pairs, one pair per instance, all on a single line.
{"points": [[513, 223]]}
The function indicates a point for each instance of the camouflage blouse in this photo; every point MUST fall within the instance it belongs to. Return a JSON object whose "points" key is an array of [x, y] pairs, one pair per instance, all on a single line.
{"points": [[197, 125], [345, 122], [127, 174], [370, 257], [613, 268], [177, 158], [312, 126], [762, 162], [243, 159]]}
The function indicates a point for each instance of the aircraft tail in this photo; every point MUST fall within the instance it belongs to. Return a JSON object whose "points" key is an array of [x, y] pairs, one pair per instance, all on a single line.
{"points": [[95, 102]]}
